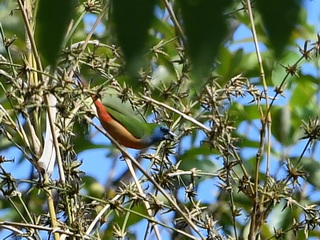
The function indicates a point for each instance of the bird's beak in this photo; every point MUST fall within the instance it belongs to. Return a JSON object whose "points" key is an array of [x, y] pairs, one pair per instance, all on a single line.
{"points": [[169, 136]]}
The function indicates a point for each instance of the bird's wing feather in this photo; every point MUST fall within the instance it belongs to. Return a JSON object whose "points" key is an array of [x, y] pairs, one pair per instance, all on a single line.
{"points": [[132, 124], [124, 114]]}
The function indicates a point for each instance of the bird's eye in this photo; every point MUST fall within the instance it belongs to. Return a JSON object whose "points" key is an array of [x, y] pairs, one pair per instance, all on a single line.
{"points": [[164, 129]]}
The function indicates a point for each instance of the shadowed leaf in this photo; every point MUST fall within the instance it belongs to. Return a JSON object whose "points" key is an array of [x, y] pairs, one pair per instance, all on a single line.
{"points": [[132, 19], [205, 28], [53, 18], [279, 19]]}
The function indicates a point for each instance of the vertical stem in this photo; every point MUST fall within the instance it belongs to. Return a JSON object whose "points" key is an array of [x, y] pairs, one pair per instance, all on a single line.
{"points": [[175, 22], [265, 125], [34, 79], [52, 211]]}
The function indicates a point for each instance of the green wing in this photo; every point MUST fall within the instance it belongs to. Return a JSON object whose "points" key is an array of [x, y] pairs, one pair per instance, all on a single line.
{"points": [[124, 114]]}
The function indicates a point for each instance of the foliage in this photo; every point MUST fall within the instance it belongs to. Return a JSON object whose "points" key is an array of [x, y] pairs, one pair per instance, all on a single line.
{"points": [[244, 163]]}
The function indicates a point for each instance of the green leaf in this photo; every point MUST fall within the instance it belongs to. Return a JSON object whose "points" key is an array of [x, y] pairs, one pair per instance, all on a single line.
{"points": [[282, 128], [198, 157], [52, 19], [82, 142], [133, 218], [205, 29], [280, 216], [304, 94], [132, 19], [233, 63], [242, 112], [279, 18], [279, 71], [244, 142], [93, 187], [312, 167]]}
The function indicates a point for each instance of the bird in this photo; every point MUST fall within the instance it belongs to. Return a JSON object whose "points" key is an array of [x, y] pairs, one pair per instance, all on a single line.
{"points": [[125, 124]]}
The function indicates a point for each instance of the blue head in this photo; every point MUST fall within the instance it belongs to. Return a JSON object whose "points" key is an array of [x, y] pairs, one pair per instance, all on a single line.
{"points": [[159, 134]]}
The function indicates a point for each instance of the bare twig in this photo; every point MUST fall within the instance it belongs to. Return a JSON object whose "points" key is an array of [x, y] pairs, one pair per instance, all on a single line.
{"points": [[191, 119]]}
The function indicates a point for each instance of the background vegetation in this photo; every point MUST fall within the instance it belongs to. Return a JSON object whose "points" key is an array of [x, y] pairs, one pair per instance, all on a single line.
{"points": [[244, 164]]}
